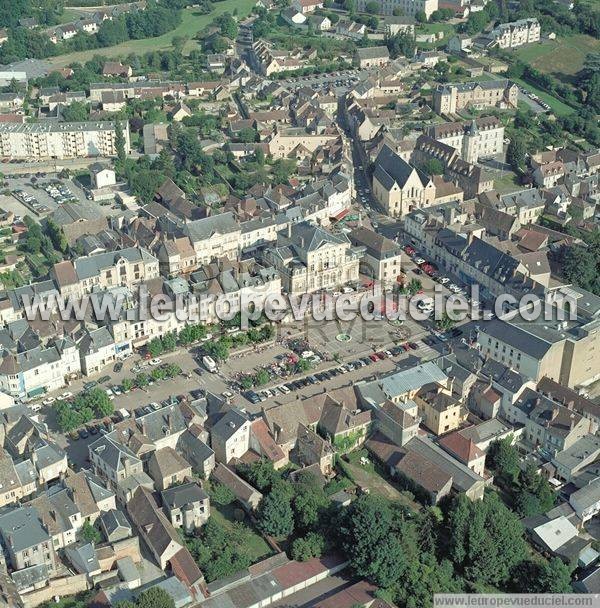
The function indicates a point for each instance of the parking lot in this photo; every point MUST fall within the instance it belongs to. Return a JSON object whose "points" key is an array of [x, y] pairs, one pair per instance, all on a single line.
{"points": [[42, 195]]}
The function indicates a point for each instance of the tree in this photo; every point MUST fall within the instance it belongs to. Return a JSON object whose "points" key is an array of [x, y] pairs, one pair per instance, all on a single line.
{"points": [[421, 17], [260, 474], [434, 166], [218, 350], [169, 342], [261, 377], [89, 533], [155, 347], [57, 236], [372, 7], [307, 547], [486, 539], [516, 154], [309, 502], [142, 380], [155, 597], [444, 323], [120, 142], [275, 515], [127, 384], [247, 135], [378, 545], [503, 459], [221, 494], [77, 111], [99, 402]]}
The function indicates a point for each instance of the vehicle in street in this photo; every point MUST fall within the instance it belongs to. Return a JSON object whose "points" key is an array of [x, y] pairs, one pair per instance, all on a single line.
{"points": [[209, 364], [90, 385], [118, 367], [104, 379], [155, 361]]}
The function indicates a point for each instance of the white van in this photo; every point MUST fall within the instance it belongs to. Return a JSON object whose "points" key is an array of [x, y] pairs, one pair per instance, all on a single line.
{"points": [[209, 364]]}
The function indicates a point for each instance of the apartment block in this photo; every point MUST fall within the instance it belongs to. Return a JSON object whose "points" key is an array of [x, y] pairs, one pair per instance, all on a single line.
{"points": [[408, 7], [450, 98], [33, 141], [516, 33]]}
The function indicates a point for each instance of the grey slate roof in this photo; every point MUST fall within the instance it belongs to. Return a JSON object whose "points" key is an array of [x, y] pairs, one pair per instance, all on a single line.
{"points": [[391, 168], [22, 528], [178, 497], [229, 424], [203, 229]]}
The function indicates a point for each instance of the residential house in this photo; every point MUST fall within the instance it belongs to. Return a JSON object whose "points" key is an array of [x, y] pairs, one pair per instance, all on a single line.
{"points": [[186, 505], [230, 436], [116, 68], [167, 467], [26, 540], [382, 259], [451, 98], [153, 527], [311, 449], [371, 56], [115, 526]]}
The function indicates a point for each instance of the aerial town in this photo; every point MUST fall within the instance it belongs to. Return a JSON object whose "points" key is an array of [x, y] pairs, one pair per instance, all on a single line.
{"points": [[193, 195]]}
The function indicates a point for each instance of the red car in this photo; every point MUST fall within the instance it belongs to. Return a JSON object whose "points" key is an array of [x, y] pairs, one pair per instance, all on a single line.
{"points": [[381, 355], [409, 250], [374, 357]]}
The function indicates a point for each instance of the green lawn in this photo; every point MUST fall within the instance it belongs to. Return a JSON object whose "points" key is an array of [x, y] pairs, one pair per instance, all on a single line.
{"points": [[507, 183], [558, 107], [255, 545], [192, 22], [562, 58]]}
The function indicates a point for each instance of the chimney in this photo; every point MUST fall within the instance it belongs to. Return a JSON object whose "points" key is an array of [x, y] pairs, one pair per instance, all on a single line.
{"points": [[289, 230]]}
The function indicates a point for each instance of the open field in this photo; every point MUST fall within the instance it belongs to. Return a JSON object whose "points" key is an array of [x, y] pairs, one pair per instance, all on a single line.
{"points": [[558, 107], [562, 58], [192, 22]]}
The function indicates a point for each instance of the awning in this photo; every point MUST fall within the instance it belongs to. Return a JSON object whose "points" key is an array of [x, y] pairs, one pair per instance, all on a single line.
{"points": [[36, 392], [341, 215]]}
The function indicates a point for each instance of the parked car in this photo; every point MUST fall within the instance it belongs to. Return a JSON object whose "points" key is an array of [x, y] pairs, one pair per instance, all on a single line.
{"points": [[118, 367], [104, 379]]}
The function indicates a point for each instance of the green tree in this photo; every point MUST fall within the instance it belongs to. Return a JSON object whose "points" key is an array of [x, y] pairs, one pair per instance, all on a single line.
{"points": [[77, 111], [260, 474], [89, 533], [120, 143], [503, 459], [542, 576], [421, 17], [169, 342], [57, 236], [516, 154], [142, 380], [261, 377], [155, 347], [98, 400], [155, 597], [309, 503], [309, 546], [127, 384], [372, 7], [434, 167], [275, 515], [486, 539], [247, 135], [221, 494]]}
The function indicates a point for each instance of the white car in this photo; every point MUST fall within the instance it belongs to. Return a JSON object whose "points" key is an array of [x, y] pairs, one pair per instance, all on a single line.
{"points": [[66, 395], [116, 390], [48, 401], [453, 288], [155, 361], [444, 280], [284, 389], [419, 261]]}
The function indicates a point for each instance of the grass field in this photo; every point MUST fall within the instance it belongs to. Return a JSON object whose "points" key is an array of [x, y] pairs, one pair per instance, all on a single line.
{"points": [[254, 544], [558, 107], [562, 58], [192, 22]]}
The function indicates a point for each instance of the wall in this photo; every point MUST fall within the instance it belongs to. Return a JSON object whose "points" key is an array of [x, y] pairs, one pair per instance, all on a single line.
{"points": [[59, 586]]}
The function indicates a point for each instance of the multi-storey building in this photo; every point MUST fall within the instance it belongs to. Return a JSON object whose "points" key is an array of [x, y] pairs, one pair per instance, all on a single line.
{"points": [[34, 141], [310, 258], [450, 98], [27, 540], [516, 33], [481, 137], [408, 7]]}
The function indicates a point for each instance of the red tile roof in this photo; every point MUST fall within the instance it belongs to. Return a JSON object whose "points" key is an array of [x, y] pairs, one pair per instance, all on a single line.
{"points": [[461, 447]]}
